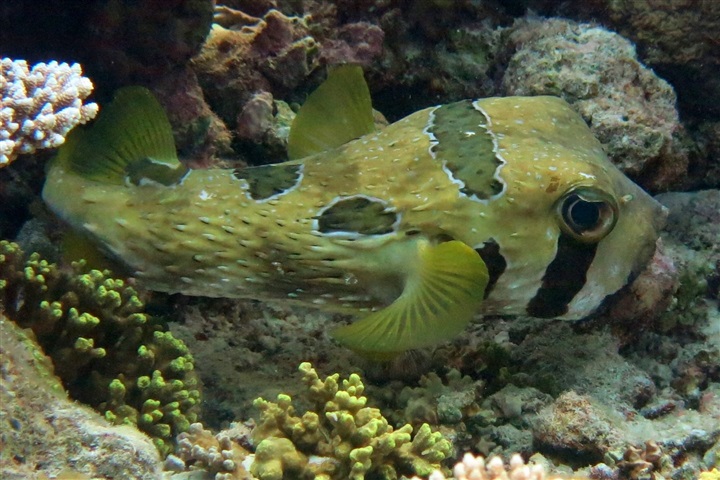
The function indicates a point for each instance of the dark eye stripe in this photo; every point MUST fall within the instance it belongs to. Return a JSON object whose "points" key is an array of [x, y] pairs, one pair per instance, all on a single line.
{"points": [[495, 262], [564, 278]]}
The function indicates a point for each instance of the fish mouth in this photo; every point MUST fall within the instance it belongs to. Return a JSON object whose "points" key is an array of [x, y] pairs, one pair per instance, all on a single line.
{"points": [[656, 216], [658, 219], [644, 270]]}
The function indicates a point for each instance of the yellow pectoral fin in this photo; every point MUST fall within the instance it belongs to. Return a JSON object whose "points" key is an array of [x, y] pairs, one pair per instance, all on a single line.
{"points": [[438, 302]]}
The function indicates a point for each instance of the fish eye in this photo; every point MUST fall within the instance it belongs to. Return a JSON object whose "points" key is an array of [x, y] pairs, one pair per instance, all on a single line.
{"points": [[587, 214]]}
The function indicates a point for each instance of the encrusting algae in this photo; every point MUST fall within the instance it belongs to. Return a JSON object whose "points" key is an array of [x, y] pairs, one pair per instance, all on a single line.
{"points": [[500, 205]]}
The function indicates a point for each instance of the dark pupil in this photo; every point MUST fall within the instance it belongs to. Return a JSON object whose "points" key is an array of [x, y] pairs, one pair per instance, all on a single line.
{"points": [[581, 215]]}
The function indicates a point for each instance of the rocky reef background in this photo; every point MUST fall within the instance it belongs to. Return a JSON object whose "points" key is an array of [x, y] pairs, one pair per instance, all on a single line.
{"points": [[632, 393]]}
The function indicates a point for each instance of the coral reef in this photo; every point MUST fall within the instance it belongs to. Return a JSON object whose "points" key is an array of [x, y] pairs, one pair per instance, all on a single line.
{"points": [[275, 54], [438, 402], [636, 389], [263, 125], [629, 108], [140, 42], [641, 461], [233, 342], [707, 161], [108, 353], [573, 425], [714, 474], [435, 52], [43, 434], [200, 136], [473, 467], [222, 455], [678, 39], [355, 440], [39, 106], [338, 437], [646, 298]]}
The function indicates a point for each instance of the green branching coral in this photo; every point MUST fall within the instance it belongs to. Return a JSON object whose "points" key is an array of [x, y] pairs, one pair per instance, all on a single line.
{"points": [[351, 440], [108, 353]]}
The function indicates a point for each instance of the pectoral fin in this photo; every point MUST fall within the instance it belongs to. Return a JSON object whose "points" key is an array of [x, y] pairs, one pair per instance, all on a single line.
{"points": [[438, 302]]}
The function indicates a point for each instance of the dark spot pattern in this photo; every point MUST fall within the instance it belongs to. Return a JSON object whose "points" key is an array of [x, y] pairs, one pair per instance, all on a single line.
{"points": [[494, 261], [466, 147], [564, 278], [268, 180], [147, 169], [360, 215]]}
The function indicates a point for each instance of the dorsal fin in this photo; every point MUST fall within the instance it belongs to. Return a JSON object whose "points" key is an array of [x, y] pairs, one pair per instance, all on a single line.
{"points": [[339, 110], [130, 140]]}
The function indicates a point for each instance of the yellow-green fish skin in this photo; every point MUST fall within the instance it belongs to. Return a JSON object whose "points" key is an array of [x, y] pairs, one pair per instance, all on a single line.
{"points": [[208, 236]]}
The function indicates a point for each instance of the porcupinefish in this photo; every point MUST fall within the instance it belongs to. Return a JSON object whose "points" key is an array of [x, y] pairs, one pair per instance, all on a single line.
{"points": [[494, 206]]}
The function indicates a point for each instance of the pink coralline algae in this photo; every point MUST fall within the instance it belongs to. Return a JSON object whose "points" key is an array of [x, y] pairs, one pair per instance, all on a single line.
{"points": [[40, 105], [629, 109], [358, 43], [678, 38], [200, 136]]}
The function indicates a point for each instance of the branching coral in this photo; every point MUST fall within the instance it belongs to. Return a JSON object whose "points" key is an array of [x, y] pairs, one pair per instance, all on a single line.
{"points": [[476, 468], [221, 454], [108, 353], [350, 439], [40, 105]]}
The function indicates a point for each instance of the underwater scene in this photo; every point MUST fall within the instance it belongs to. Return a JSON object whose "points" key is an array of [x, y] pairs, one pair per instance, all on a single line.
{"points": [[360, 239]]}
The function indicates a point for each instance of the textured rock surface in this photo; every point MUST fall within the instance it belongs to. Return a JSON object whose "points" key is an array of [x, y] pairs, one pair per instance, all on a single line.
{"points": [[629, 108], [45, 433]]}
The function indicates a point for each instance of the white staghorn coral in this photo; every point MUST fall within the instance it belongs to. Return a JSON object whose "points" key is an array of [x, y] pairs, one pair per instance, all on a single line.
{"points": [[40, 106], [476, 468]]}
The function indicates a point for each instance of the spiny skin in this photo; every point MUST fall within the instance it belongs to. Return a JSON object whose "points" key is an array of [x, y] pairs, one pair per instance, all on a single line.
{"points": [[207, 236]]}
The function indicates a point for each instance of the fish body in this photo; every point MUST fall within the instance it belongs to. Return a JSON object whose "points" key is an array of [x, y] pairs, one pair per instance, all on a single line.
{"points": [[499, 205]]}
